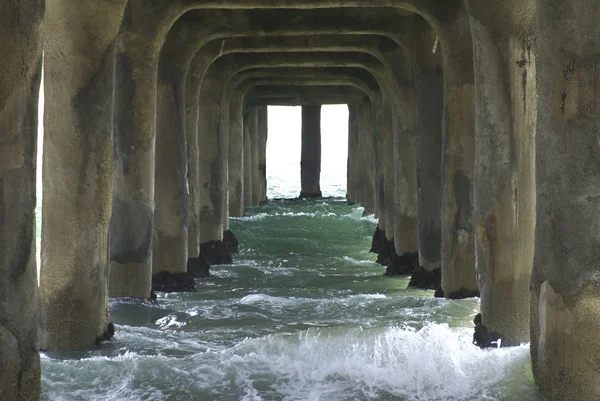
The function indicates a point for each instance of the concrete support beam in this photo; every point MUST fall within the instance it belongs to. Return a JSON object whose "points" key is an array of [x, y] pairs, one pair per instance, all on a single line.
{"points": [[368, 158], [458, 247], [20, 73], [504, 55], [78, 166], [565, 295], [256, 176], [263, 131], [354, 166], [429, 91], [310, 164], [170, 240], [247, 185], [132, 223]]}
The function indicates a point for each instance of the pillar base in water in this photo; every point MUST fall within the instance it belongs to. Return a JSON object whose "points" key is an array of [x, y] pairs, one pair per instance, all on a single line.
{"points": [[402, 265], [216, 253], [173, 282], [463, 293], [107, 335], [310, 195], [484, 338], [377, 241], [231, 242], [385, 252], [426, 280], [198, 267]]}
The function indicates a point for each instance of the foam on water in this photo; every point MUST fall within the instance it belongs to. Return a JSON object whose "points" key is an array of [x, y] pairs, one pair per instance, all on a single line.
{"points": [[396, 363]]}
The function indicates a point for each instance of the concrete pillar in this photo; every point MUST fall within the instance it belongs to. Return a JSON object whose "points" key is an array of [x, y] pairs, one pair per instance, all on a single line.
{"points": [[458, 125], [404, 147], [388, 170], [256, 179], [247, 161], [235, 168], [565, 290], [367, 156], [354, 168], [78, 166], [429, 90], [378, 165], [504, 185], [132, 219], [171, 195], [310, 164], [263, 131], [193, 152], [20, 73], [212, 160]]}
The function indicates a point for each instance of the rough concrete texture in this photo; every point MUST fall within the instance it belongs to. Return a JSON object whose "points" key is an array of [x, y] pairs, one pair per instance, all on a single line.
{"points": [[20, 74], [132, 224], [429, 91], [256, 178], [310, 164], [458, 125], [404, 145], [565, 296], [247, 185], [353, 163], [78, 165], [368, 158], [263, 133], [504, 184], [171, 195]]}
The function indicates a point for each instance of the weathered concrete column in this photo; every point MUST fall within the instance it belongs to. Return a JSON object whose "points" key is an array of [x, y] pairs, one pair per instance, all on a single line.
{"points": [[367, 156], [504, 186], [388, 171], [353, 166], [214, 144], [20, 73], [247, 161], [404, 148], [429, 90], [236, 166], [78, 166], [170, 240], [132, 219], [263, 132], [565, 296], [310, 164], [458, 248], [254, 132]]}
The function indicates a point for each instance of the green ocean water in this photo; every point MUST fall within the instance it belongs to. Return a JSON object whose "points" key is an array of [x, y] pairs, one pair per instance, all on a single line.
{"points": [[302, 314]]}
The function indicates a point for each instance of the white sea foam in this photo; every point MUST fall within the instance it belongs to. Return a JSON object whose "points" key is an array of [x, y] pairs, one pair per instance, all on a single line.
{"points": [[169, 322], [435, 363]]}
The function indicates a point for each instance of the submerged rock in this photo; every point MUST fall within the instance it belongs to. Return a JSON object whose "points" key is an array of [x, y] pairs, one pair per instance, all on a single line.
{"points": [[198, 267], [425, 279], [482, 337], [377, 241], [173, 282], [231, 242], [402, 265], [216, 253]]}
